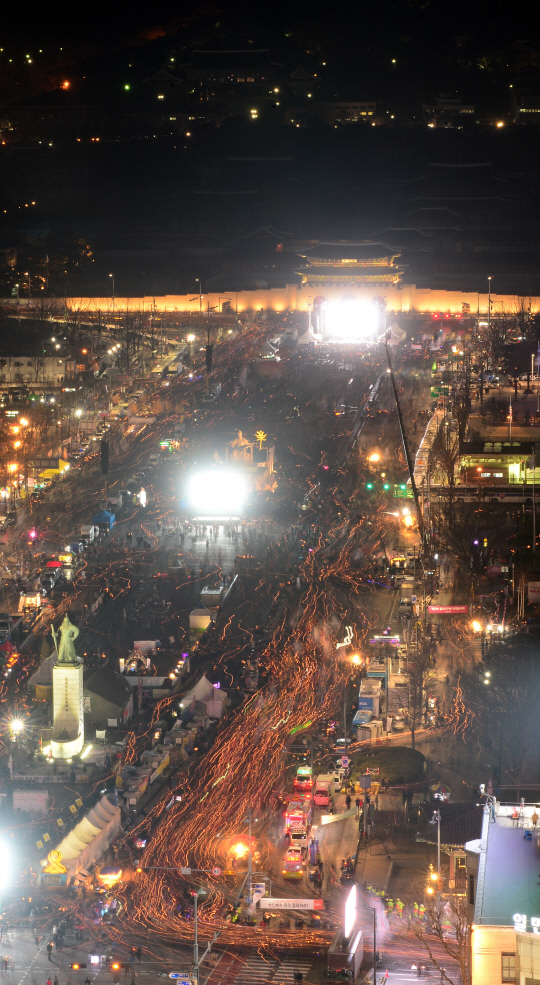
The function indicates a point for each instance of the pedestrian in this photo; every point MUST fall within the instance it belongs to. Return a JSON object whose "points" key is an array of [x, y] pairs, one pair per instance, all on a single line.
{"points": [[139, 953], [49, 951], [348, 801], [358, 803], [55, 980], [399, 908], [49, 980]]}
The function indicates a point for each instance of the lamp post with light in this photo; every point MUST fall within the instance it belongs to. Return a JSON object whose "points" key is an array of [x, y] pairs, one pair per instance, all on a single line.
{"points": [[112, 275]]}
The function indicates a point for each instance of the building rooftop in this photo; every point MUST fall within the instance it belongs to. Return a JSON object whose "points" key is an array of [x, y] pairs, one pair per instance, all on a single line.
{"points": [[508, 880], [500, 446]]}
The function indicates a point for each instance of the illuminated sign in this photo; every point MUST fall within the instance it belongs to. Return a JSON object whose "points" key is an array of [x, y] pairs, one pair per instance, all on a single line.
{"points": [[350, 913], [520, 923], [54, 866], [292, 904]]}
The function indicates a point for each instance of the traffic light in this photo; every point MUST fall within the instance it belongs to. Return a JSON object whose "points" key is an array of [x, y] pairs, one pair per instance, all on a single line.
{"points": [[104, 456], [369, 486]]}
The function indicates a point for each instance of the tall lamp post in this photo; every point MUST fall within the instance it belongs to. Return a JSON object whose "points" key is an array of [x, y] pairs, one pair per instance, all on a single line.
{"points": [[112, 275], [489, 310], [374, 912], [436, 819]]}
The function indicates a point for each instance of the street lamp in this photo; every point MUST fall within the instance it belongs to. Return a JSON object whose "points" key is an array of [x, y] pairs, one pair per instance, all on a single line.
{"points": [[112, 275], [197, 281], [436, 819], [489, 304], [196, 894], [16, 726]]}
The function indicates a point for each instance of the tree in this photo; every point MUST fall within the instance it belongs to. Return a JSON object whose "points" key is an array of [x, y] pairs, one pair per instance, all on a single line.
{"points": [[462, 531], [420, 677], [444, 933], [445, 457]]}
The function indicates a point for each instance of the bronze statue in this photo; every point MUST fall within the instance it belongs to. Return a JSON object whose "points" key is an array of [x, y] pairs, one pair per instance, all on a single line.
{"points": [[66, 650]]}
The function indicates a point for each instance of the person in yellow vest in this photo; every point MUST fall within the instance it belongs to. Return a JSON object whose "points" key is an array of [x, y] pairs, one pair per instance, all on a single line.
{"points": [[415, 911], [399, 907], [389, 905], [421, 911]]}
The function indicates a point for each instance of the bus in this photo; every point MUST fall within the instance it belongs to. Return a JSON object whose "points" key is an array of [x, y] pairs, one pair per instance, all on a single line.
{"points": [[303, 781]]}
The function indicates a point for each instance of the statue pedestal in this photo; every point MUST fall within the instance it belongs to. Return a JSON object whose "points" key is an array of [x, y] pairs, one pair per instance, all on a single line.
{"points": [[68, 711]]}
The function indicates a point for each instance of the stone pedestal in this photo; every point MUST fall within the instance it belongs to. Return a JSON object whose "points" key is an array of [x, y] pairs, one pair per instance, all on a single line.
{"points": [[68, 710]]}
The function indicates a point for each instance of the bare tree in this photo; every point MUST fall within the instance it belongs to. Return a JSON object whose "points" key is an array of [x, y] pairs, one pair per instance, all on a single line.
{"points": [[444, 933], [420, 677], [445, 456]]}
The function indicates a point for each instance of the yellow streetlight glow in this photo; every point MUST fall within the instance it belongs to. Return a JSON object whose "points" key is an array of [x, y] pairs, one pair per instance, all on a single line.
{"points": [[476, 626], [355, 658], [375, 457]]}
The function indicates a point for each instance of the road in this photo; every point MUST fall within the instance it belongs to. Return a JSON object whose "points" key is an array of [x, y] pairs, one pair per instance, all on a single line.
{"points": [[318, 574]]}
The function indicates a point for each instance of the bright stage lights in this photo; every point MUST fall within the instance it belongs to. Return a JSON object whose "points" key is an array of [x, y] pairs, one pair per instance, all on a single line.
{"points": [[351, 321], [218, 492]]}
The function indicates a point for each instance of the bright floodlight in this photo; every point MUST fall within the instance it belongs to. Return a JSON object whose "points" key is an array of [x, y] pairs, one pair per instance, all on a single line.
{"points": [[218, 493], [16, 726], [351, 321], [5, 869]]}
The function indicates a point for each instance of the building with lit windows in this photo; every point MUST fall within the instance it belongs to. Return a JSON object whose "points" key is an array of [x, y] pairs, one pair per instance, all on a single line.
{"points": [[503, 894]]}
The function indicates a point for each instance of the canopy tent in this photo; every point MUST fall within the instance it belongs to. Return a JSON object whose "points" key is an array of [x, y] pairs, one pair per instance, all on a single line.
{"points": [[90, 837]]}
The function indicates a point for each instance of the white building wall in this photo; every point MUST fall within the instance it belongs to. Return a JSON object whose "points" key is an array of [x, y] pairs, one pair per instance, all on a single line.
{"points": [[487, 947]]}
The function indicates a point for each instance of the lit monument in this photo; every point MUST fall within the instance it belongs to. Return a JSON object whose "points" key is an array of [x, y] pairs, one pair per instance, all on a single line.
{"points": [[68, 702]]}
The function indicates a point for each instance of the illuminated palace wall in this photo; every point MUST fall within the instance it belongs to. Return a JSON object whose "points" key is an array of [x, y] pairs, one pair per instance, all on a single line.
{"points": [[399, 298]]}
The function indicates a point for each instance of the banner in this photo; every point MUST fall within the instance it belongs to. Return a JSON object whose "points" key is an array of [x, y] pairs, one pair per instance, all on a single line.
{"points": [[268, 903], [446, 610], [534, 592]]}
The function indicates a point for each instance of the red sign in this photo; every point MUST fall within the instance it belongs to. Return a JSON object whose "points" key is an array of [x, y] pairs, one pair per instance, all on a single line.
{"points": [[445, 610]]}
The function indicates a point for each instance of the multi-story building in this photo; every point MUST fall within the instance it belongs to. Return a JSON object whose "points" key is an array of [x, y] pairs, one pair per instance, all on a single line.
{"points": [[503, 894], [448, 111]]}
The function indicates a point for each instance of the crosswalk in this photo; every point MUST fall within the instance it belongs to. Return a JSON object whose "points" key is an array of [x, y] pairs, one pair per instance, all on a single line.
{"points": [[256, 971], [285, 971]]}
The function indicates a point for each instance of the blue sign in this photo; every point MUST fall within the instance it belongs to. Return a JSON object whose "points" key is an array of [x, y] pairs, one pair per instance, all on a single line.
{"points": [[365, 704]]}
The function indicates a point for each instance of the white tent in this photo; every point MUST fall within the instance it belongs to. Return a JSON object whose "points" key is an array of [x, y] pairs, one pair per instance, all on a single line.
{"points": [[90, 838], [213, 697]]}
